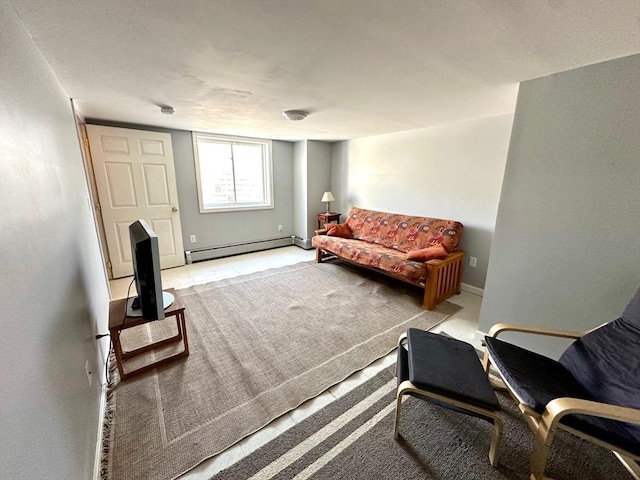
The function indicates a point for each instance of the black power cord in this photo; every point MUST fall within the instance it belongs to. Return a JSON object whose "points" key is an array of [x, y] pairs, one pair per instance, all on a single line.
{"points": [[124, 316], [106, 363], [111, 344]]}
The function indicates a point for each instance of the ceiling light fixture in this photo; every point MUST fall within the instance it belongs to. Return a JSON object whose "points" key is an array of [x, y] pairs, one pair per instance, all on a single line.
{"points": [[167, 110], [295, 115]]}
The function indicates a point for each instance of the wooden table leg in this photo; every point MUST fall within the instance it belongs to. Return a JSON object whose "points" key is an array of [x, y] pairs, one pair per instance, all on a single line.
{"points": [[122, 356], [184, 333], [117, 349]]}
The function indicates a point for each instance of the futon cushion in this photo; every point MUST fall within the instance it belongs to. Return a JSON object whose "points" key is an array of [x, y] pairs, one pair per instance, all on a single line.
{"points": [[534, 378], [371, 255], [403, 232]]}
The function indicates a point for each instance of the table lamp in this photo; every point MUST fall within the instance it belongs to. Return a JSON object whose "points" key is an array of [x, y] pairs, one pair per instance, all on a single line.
{"points": [[327, 197]]}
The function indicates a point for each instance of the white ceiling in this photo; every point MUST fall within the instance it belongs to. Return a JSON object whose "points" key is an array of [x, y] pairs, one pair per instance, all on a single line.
{"points": [[361, 67]]}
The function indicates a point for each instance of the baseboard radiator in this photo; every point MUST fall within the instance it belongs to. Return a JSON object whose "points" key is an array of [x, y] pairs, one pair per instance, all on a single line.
{"points": [[210, 253], [302, 242]]}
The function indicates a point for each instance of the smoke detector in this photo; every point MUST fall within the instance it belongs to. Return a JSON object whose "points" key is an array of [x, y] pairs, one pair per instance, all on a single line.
{"points": [[295, 115]]}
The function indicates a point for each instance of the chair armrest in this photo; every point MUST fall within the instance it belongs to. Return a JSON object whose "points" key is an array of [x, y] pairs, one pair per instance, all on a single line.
{"points": [[321, 231], [559, 407], [402, 340], [498, 328]]}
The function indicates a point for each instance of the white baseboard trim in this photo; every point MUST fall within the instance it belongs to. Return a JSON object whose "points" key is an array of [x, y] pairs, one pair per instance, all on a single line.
{"points": [[201, 254], [97, 464], [304, 243], [480, 335], [471, 289]]}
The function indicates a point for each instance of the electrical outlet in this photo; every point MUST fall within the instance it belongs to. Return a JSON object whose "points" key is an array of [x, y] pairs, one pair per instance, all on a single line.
{"points": [[88, 370], [279, 228], [473, 261], [192, 238]]}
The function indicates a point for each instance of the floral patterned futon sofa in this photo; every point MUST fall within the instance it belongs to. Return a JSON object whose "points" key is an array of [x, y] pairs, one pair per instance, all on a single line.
{"points": [[418, 250]]}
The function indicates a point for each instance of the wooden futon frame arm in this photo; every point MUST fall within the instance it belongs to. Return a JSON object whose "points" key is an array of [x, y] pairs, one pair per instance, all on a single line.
{"points": [[443, 279]]}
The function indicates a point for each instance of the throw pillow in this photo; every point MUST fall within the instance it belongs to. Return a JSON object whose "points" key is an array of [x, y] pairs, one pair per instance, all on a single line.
{"points": [[424, 254], [338, 230]]}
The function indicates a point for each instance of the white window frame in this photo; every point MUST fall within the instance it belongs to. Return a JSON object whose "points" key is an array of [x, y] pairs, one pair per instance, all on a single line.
{"points": [[267, 165]]}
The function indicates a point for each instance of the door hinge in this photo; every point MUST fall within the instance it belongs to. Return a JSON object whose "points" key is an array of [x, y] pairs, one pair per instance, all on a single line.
{"points": [[85, 140], [98, 207], [109, 264]]}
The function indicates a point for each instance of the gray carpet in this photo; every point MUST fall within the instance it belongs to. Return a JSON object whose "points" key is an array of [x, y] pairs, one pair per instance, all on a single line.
{"points": [[352, 438], [260, 345]]}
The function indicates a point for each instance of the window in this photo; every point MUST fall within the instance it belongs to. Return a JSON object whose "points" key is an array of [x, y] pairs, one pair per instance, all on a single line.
{"points": [[233, 173]]}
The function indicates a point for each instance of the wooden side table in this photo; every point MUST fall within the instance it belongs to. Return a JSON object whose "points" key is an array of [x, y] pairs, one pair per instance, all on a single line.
{"points": [[119, 322], [325, 217]]}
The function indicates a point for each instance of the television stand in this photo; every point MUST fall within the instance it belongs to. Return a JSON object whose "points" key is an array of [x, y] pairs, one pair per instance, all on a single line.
{"points": [[167, 300], [119, 322]]}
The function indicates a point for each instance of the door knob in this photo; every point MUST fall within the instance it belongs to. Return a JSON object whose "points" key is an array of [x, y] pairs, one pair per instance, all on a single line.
{"points": [[174, 209]]}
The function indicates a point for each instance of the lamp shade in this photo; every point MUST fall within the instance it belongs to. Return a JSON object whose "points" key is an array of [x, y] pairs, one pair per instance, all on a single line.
{"points": [[327, 197]]}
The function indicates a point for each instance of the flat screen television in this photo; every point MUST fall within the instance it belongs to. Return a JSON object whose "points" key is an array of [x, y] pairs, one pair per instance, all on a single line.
{"points": [[151, 300]]}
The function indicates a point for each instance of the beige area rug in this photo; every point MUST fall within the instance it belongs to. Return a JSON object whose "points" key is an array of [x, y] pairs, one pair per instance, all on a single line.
{"points": [[260, 345]]}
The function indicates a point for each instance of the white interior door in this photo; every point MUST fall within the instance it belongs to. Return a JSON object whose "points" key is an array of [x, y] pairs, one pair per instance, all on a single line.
{"points": [[136, 179]]}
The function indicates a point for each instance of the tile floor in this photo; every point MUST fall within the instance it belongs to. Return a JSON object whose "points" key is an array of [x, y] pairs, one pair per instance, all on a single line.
{"points": [[462, 325]]}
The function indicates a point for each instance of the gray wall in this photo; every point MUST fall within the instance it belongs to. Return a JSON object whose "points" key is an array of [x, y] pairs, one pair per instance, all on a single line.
{"points": [[566, 251], [318, 181], [311, 178], [225, 228], [453, 172], [300, 189], [53, 288]]}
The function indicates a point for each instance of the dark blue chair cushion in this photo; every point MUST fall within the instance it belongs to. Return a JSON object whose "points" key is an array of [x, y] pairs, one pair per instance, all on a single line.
{"points": [[631, 313], [602, 366], [535, 379], [620, 434], [448, 367], [402, 370], [606, 362]]}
